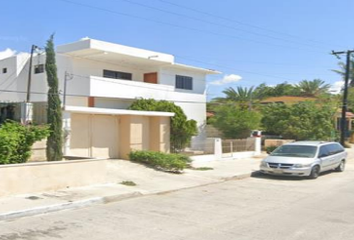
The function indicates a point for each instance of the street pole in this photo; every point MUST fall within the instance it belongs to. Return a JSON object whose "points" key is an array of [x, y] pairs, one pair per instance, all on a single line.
{"points": [[345, 94], [28, 98], [67, 77]]}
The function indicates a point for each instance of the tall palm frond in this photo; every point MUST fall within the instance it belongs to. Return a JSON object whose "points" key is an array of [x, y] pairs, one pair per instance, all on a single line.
{"points": [[312, 88]]}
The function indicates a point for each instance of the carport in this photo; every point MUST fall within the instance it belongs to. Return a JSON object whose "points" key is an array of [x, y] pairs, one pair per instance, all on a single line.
{"points": [[113, 133]]}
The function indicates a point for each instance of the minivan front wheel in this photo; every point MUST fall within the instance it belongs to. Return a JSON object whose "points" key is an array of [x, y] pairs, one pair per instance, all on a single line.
{"points": [[315, 172], [341, 166]]}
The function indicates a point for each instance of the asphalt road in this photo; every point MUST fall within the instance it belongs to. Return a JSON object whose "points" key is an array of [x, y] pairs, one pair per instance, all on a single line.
{"points": [[252, 209]]}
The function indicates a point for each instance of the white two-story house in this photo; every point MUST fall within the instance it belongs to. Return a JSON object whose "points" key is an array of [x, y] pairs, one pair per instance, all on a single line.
{"points": [[102, 80]]}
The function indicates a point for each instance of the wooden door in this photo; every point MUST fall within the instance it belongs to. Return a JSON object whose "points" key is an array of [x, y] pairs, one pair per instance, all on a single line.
{"points": [[150, 77]]}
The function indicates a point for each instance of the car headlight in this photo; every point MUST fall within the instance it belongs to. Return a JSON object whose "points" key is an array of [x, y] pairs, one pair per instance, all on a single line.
{"points": [[264, 164], [301, 165]]}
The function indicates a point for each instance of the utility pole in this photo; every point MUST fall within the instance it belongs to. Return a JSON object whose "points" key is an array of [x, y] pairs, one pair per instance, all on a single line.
{"points": [[34, 47], [26, 107], [345, 94], [67, 77]]}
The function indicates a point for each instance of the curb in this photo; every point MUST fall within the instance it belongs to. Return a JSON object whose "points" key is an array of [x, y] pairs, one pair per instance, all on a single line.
{"points": [[104, 200], [67, 206]]}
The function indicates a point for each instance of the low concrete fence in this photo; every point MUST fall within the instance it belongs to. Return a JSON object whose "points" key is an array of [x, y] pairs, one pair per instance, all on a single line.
{"points": [[218, 149], [39, 151], [47, 176]]}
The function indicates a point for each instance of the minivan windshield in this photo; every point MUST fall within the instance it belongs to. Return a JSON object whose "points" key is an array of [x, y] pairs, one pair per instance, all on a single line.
{"points": [[295, 151]]}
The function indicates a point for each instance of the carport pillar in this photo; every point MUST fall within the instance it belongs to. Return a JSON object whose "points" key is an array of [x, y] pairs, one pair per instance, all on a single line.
{"points": [[66, 132], [159, 134]]}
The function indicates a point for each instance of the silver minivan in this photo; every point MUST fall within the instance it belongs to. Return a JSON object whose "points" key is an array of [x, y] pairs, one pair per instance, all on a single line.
{"points": [[305, 159]]}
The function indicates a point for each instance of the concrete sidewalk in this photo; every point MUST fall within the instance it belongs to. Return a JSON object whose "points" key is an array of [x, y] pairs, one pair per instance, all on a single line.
{"points": [[147, 180]]}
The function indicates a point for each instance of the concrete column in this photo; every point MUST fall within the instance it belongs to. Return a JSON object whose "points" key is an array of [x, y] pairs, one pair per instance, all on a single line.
{"points": [[258, 146], [67, 132], [217, 148]]}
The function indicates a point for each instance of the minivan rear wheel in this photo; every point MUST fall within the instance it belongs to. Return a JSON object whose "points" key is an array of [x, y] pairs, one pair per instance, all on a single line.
{"points": [[315, 172], [341, 166]]}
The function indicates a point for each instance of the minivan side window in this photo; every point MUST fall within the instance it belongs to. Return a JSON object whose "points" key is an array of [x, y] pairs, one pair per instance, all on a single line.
{"points": [[323, 152], [334, 148]]}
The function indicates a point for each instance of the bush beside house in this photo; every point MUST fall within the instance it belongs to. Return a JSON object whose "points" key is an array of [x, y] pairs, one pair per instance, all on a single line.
{"points": [[182, 129], [16, 141]]}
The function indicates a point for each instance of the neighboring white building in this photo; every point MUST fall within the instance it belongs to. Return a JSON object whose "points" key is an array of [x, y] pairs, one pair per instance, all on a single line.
{"points": [[111, 76]]}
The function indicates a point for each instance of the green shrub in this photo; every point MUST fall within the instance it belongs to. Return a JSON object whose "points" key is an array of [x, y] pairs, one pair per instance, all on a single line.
{"points": [[270, 149], [16, 141], [181, 129], [161, 161]]}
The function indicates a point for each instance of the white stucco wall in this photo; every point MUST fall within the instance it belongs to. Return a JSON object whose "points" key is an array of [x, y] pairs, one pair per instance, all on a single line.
{"points": [[109, 93]]}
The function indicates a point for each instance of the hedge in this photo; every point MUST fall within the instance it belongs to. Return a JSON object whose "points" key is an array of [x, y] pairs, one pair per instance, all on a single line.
{"points": [[161, 161]]}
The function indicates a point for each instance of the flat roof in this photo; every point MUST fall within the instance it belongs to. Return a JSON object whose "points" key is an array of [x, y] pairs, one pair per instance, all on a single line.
{"points": [[96, 49], [111, 111]]}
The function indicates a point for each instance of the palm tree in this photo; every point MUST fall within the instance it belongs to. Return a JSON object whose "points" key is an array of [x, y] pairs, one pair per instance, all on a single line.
{"points": [[239, 94], [341, 72], [242, 96], [313, 88]]}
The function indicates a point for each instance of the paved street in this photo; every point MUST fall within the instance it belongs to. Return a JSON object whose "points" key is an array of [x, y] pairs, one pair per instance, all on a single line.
{"points": [[254, 208]]}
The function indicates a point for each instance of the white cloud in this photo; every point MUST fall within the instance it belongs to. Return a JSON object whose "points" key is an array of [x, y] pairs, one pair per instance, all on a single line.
{"points": [[7, 53], [336, 87], [231, 78]]}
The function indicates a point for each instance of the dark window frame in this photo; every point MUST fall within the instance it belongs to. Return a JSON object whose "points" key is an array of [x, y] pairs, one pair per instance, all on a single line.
{"points": [[4, 70], [184, 82], [39, 68], [117, 75]]}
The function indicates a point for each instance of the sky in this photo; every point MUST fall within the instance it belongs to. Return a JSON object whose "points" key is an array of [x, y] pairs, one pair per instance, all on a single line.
{"points": [[250, 42]]}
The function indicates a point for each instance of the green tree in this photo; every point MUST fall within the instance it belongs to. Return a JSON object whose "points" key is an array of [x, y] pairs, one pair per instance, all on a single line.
{"points": [[342, 70], [235, 121], [281, 89], [301, 121], [244, 97], [312, 88], [54, 112], [181, 130]]}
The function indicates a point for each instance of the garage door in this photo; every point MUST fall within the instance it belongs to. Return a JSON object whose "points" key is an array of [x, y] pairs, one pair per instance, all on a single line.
{"points": [[94, 136]]}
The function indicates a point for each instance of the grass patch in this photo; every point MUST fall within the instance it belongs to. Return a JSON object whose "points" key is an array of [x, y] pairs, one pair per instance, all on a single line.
{"points": [[128, 183], [203, 168]]}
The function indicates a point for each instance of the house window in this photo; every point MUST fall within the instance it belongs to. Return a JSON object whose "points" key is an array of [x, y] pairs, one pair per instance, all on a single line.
{"points": [[38, 68], [117, 75], [184, 82], [4, 70]]}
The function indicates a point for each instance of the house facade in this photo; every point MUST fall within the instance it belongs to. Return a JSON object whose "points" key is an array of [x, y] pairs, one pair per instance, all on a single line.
{"points": [[98, 81]]}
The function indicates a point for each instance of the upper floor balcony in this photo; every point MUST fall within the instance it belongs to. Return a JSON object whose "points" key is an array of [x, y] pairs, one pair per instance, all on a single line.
{"points": [[94, 86]]}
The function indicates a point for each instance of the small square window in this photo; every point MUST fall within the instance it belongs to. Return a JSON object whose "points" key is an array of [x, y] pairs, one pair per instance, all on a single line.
{"points": [[184, 82], [4, 70], [38, 68]]}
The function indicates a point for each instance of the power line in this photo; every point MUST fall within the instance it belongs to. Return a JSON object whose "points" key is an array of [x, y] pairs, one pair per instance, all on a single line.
{"points": [[215, 23], [185, 27], [249, 72], [241, 23]]}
